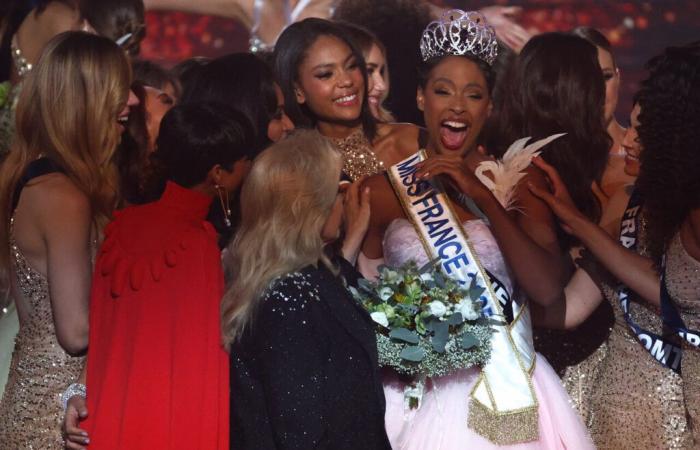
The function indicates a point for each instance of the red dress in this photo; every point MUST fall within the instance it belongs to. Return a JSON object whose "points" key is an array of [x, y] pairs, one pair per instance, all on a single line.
{"points": [[157, 374]]}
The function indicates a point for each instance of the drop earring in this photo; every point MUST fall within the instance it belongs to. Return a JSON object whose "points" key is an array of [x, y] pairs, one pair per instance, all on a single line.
{"points": [[225, 205]]}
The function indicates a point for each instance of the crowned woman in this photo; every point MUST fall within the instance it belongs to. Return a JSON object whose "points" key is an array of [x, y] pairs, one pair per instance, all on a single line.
{"points": [[516, 399]]}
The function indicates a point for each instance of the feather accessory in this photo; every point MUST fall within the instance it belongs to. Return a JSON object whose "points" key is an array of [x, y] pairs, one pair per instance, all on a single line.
{"points": [[507, 172]]}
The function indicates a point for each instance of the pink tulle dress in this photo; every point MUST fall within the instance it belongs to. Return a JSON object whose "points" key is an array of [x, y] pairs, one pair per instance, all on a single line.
{"points": [[441, 421]]}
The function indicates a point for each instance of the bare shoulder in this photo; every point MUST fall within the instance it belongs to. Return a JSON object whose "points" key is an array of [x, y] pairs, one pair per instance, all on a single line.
{"points": [[55, 193]]}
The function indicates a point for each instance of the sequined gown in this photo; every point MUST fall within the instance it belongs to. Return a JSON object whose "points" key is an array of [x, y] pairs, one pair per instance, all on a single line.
{"points": [[441, 421], [358, 157], [683, 284], [633, 401], [30, 411]]}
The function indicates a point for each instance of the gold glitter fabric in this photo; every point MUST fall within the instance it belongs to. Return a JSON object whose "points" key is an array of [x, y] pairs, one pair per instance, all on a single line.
{"points": [[504, 429], [30, 411], [683, 284], [635, 402], [358, 158]]}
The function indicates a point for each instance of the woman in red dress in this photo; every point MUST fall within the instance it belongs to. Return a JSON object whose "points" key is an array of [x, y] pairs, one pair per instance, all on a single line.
{"points": [[157, 373]]}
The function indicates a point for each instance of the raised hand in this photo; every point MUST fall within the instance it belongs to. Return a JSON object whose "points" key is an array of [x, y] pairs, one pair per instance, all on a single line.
{"points": [[356, 214], [559, 200], [457, 174]]}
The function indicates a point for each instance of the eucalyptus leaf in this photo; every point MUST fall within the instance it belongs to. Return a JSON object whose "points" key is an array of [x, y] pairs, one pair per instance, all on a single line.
{"points": [[455, 319], [405, 335], [366, 286], [413, 353], [441, 333], [468, 341]]}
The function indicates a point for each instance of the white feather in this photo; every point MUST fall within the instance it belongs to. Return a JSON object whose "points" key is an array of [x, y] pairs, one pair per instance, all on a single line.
{"points": [[507, 172]]}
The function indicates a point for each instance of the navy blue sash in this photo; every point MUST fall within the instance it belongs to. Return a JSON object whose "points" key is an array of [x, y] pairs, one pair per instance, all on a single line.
{"points": [[661, 349]]}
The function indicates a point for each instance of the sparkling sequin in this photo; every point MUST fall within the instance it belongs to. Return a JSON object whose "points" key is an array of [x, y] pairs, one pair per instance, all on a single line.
{"points": [[22, 65], [683, 283], [358, 158], [30, 411], [636, 402]]}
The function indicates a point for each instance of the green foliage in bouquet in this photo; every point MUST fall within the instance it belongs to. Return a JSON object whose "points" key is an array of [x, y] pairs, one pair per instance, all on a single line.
{"points": [[427, 324], [5, 88]]}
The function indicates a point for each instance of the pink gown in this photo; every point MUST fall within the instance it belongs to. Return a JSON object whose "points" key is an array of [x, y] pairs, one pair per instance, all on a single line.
{"points": [[441, 421]]}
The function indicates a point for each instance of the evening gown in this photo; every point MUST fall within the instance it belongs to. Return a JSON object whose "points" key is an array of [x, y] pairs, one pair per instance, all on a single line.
{"points": [[441, 421], [632, 401], [30, 411], [683, 284]]}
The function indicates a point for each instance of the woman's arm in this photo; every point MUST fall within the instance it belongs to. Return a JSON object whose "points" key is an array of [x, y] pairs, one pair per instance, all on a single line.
{"points": [[632, 269], [76, 411], [65, 223], [581, 298], [529, 243]]}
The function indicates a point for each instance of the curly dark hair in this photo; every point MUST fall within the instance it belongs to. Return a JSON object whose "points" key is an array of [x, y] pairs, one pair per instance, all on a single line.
{"points": [[554, 86], [669, 133]]}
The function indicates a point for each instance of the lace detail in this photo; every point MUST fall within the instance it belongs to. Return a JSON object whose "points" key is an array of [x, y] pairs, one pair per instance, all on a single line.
{"points": [[402, 243], [358, 157]]}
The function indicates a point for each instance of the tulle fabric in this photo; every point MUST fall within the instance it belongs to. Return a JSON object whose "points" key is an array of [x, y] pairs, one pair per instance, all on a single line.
{"points": [[441, 421]]}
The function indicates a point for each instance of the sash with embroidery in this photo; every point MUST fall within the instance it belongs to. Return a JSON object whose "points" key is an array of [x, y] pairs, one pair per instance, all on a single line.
{"points": [[503, 406], [663, 351]]}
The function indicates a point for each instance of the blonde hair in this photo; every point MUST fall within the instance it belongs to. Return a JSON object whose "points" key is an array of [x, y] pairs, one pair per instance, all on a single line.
{"points": [[285, 202], [67, 111]]}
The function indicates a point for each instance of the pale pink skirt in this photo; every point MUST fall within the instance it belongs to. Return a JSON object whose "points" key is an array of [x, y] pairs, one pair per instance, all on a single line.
{"points": [[441, 421]]}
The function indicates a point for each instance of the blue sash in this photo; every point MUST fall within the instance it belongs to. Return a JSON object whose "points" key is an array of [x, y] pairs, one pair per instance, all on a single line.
{"points": [[663, 351]]}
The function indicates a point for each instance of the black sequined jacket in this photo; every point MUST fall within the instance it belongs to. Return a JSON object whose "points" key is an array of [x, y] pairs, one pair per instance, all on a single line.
{"points": [[305, 376]]}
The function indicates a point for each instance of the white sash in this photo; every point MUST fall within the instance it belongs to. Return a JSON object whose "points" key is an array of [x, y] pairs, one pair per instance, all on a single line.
{"points": [[503, 406]]}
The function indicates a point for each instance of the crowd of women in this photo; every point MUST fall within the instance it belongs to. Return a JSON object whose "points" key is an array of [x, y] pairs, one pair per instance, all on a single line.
{"points": [[177, 245]]}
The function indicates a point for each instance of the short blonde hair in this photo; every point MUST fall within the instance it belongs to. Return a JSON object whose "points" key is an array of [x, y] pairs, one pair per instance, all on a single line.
{"points": [[285, 202]]}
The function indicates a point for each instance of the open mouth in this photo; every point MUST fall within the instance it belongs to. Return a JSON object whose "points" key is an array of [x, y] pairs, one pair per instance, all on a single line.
{"points": [[630, 157], [347, 100], [453, 133]]}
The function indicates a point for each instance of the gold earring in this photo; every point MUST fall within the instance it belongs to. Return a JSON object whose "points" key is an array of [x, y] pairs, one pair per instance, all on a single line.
{"points": [[225, 206]]}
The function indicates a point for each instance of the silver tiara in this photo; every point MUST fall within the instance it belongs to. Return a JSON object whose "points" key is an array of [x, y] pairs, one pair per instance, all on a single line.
{"points": [[460, 33]]}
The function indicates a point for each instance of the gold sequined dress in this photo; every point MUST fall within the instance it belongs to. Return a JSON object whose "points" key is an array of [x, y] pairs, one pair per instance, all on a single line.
{"points": [[358, 157], [633, 402], [30, 411], [683, 284]]}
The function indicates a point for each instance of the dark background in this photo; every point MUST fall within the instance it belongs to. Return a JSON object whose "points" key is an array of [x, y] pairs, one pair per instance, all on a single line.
{"points": [[637, 29]]}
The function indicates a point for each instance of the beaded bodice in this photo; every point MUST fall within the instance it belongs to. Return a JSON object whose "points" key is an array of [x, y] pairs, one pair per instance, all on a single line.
{"points": [[358, 157], [30, 411]]}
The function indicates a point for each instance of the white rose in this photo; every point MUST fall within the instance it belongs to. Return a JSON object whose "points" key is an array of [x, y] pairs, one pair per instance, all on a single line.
{"points": [[426, 277], [467, 310], [380, 318], [436, 308], [385, 293], [391, 276]]}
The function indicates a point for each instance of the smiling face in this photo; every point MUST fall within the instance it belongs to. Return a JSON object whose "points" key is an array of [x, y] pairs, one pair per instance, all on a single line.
{"points": [[455, 103], [631, 144], [123, 117], [611, 75], [378, 82], [330, 82]]}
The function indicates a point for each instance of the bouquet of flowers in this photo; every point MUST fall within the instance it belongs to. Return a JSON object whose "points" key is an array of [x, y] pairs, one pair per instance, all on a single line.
{"points": [[427, 324]]}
